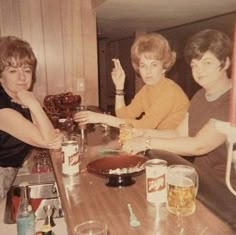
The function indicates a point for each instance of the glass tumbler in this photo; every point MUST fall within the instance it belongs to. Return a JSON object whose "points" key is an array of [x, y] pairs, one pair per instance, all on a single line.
{"points": [[126, 132], [91, 227], [82, 128]]}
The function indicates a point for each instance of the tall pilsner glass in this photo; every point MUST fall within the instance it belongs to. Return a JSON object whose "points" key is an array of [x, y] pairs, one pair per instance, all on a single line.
{"points": [[82, 127]]}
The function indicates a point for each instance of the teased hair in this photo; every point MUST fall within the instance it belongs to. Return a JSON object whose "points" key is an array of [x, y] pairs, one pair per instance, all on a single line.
{"points": [[152, 46]]}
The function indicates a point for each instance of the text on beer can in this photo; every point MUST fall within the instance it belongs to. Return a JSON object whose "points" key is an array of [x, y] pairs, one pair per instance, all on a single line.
{"points": [[70, 157], [156, 180]]}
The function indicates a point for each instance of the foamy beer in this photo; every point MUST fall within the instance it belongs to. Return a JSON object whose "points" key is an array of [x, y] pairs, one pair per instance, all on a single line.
{"points": [[126, 132], [182, 187], [156, 180]]}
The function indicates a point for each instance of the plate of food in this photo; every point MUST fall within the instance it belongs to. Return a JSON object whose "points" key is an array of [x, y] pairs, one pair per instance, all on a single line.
{"points": [[118, 169]]}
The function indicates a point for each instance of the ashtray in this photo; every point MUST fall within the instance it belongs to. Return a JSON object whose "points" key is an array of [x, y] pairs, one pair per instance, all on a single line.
{"points": [[118, 169]]}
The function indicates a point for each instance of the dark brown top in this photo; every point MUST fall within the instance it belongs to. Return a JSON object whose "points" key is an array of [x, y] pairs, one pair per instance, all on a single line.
{"points": [[200, 112], [213, 191]]}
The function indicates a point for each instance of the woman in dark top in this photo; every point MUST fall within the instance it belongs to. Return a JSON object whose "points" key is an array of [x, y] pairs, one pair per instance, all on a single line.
{"points": [[23, 122]]}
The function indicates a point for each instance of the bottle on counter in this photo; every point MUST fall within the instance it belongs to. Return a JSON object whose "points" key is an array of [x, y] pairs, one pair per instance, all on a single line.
{"points": [[25, 217]]}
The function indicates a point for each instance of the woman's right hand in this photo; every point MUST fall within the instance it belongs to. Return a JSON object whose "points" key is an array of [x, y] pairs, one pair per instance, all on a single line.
{"points": [[25, 98], [86, 117], [118, 75]]}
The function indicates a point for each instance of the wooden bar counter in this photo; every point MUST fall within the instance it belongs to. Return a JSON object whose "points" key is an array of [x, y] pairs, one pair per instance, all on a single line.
{"points": [[86, 197]]}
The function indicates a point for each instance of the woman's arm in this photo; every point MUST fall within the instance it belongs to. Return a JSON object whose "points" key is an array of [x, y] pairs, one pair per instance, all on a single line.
{"points": [[206, 140], [118, 78], [86, 117], [180, 131], [40, 133]]}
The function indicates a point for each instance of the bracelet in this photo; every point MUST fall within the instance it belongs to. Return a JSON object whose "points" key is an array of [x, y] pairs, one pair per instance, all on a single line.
{"points": [[120, 92]]}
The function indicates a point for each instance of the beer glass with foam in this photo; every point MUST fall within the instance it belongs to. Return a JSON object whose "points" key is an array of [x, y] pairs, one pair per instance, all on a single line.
{"points": [[182, 187], [126, 132]]}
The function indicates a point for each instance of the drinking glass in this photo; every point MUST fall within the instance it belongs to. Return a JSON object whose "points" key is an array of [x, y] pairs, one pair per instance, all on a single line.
{"points": [[82, 128], [182, 187], [42, 163], [126, 132], [106, 130], [38, 164], [91, 227]]}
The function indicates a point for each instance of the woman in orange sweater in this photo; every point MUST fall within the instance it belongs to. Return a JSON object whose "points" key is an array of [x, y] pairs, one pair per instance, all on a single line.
{"points": [[161, 101]]}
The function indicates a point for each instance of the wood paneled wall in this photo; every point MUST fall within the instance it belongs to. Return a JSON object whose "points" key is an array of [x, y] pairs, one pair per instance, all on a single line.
{"points": [[62, 34]]}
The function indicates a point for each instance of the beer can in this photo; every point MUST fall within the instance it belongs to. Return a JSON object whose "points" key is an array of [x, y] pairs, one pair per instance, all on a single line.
{"points": [[70, 157], [156, 180]]}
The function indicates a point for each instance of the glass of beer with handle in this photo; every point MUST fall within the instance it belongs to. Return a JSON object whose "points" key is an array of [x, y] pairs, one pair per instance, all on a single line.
{"points": [[182, 187]]}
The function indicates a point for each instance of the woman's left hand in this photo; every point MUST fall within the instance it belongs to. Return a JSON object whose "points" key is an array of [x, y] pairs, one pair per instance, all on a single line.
{"points": [[135, 145]]}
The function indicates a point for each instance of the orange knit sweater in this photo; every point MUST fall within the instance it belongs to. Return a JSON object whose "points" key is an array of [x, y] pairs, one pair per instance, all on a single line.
{"points": [[163, 104]]}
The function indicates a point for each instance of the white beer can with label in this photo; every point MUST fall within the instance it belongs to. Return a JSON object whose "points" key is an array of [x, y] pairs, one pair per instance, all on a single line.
{"points": [[70, 155], [156, 180]]}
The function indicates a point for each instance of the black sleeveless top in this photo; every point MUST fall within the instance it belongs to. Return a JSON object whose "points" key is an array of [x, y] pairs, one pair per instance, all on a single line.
{"points": [[12, 150]]}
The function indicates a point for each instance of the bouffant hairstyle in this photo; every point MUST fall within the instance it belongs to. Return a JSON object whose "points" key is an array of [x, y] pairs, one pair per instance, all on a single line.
{"points": [[16, 52], [152, 46], [216, 42]]}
